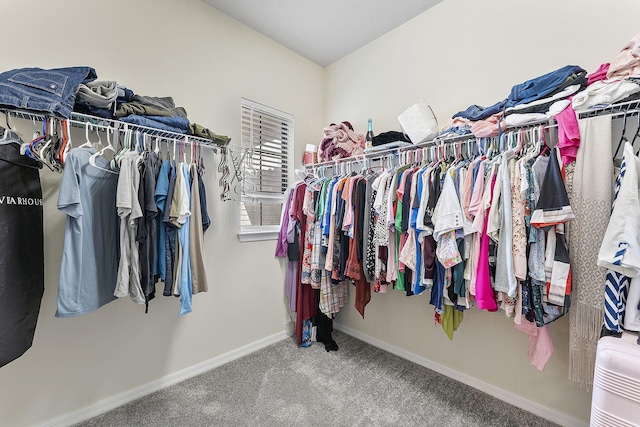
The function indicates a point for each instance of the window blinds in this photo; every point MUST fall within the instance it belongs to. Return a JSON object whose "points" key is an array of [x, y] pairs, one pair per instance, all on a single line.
{"points": [[267, 144]]}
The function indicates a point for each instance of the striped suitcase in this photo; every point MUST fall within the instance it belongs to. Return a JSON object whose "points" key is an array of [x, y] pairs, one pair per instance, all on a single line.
{"points": [[616, 384]]}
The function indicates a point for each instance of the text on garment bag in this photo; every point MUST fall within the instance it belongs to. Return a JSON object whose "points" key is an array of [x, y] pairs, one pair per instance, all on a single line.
{"points": [[25, 201]]}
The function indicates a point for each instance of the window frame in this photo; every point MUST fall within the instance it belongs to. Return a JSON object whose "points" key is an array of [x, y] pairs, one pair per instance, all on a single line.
{"points": [[250, 233]]}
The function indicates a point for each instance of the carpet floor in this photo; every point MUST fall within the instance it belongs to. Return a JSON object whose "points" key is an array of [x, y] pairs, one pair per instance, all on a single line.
{"points": [[283, 385]]}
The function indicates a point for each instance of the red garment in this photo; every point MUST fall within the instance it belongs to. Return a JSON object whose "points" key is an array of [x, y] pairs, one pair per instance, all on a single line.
{"points": [[306, 305], [354, 268]]}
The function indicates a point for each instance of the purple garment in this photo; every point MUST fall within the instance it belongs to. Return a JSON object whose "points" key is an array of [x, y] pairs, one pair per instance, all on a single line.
{"points": [[281, 246], [285, 237]]}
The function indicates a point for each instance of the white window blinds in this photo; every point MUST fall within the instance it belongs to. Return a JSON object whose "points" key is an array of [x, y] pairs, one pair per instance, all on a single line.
{"points": [[267, 143]]}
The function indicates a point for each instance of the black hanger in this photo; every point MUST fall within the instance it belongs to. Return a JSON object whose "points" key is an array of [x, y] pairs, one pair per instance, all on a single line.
{"points": [[622, 137], [636, 135]]}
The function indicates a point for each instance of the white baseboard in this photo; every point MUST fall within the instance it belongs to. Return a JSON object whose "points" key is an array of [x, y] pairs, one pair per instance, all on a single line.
{"points": [[117, 400], [506, 396]]}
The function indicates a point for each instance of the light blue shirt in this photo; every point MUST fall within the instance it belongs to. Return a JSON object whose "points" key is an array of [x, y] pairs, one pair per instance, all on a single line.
{"points": [[89, 267], [186, 294]]}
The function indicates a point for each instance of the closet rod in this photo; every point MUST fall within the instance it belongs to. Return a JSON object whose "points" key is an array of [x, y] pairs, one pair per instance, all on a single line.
{"points": [[79, 120], [615, 110], [437, 141]]}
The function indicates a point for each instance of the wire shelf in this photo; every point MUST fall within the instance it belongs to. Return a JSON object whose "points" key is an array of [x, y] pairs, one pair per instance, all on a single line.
{"points": [[615, 110], [79, 120]]}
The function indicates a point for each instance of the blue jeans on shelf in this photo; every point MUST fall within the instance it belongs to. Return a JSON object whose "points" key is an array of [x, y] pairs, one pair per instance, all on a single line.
{"points": [[51, 91], [172, 124]]}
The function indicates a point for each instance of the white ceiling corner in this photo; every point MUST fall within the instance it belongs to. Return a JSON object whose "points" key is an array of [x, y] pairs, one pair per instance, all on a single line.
{"points": [[323, 30]]}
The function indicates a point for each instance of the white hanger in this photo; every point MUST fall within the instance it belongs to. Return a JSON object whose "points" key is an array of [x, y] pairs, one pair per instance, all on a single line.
{"points": [[92, 159], [300, 174], [174, 148], [126, 147], [69, 146], [88, 143]]}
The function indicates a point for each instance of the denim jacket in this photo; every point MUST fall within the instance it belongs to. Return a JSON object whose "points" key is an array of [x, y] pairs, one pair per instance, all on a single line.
{"points": [[52, 91]]}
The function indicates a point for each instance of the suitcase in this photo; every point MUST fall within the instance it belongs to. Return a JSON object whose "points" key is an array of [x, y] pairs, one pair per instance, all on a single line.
{"points": [[616, 384]]}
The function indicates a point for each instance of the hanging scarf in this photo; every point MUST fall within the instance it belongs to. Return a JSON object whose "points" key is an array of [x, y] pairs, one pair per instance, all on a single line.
{"points": [[591, 195]]}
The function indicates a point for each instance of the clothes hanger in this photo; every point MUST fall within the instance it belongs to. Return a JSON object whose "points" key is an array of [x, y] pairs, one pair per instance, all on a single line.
{"points": [[30, 149], [300, 174], [156, 148], [25, 147], [201, 168], [53, 152], [10, 135], [223, 168], [48, 140], [108, 147], [88, 143], [546, 147], [65, 140], [623, 138], [126, 147], [175, 143], [637, 134]]}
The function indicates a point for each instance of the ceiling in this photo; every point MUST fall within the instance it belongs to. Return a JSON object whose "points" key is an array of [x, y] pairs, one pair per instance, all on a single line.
{"points": [[323, 30]]}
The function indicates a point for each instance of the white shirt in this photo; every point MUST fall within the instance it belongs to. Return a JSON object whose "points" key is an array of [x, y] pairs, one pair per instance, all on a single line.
{"points": [[621, 242]]}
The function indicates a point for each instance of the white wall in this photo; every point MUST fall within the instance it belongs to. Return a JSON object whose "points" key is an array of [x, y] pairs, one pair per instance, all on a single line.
{"points": [[207, 62], [464, 52]]}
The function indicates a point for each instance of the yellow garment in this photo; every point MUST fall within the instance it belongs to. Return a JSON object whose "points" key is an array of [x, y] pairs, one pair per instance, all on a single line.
{"points": [[451, 319]]}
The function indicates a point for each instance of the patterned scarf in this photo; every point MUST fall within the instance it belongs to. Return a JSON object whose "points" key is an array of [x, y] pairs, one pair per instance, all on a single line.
{"points": [[590, 189]]}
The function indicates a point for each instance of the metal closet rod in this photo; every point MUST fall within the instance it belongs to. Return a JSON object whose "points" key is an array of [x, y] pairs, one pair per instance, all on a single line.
{"points": [[436, 142], [615, 110], [79, 120]]}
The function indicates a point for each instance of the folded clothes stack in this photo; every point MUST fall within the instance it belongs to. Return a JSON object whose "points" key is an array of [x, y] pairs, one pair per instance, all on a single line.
{"points": [[532, 101], [154, 112], [61, 91], [101, 98], [616, 82]]}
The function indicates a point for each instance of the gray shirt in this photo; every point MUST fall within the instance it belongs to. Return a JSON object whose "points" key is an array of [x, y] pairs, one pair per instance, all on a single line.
{"points": [[129, 210], [90, 252]]}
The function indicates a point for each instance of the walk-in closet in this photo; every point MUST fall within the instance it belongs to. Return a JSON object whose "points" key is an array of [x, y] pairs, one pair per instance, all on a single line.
{"points": [[239, 213]]}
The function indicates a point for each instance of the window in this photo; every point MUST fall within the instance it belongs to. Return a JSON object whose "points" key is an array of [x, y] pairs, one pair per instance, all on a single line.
{"points": [[267, 148]]}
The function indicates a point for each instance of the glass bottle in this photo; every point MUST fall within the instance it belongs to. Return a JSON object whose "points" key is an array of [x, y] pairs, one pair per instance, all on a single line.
{"points": [[369, 137]]}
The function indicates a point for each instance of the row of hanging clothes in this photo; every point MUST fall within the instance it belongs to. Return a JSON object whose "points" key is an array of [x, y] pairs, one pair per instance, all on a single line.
{"points": [[136, 219], [471, 223], [136, 213]]}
